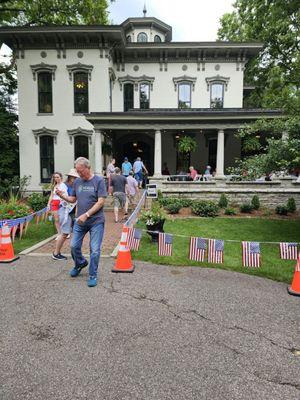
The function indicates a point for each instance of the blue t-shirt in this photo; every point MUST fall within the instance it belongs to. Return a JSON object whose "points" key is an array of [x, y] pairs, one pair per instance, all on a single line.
{"points": [[126, 168], [87, 194]]}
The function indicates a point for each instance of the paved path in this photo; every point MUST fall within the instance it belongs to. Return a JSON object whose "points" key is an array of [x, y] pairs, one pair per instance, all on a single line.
{"points": [[181, 333]]}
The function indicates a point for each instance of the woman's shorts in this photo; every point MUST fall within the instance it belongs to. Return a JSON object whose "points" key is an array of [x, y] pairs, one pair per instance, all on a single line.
{"points": [[119, 199], [54, 205], [65, 221]]}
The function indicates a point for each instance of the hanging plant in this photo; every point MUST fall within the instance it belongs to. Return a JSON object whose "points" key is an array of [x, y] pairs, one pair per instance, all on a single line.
{"points": [[187, 144]]}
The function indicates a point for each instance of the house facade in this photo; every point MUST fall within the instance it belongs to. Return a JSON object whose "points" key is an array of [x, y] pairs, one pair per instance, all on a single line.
{"points": [[127, 90]]}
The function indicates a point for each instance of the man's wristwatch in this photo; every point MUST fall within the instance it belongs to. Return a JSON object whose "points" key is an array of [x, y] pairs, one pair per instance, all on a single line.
{"points": [[87, 214]]}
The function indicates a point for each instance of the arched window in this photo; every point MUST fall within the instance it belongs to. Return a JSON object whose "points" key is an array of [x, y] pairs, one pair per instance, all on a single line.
{"points": [[142, 37], [44, 92], [144, 96], [81, 92], [216, 95], [128, 38], [81, 147], [184, 95], [128, 96], [157, 38], [46, 158]]}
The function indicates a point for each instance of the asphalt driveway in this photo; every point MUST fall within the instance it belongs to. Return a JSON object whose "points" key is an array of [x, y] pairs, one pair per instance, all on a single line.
{"points": [[159, 333]]}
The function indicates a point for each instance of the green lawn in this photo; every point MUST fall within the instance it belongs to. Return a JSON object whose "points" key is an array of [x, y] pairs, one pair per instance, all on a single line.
{"points": [[251, 229], [35, 233]]}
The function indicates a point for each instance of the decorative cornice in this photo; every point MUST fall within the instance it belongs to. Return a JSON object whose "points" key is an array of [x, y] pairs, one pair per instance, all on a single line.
{"points": [[112, 75], [136, 80], [80, 132], [80, 68], [182, 79], [42, 67], [217, 79], [44, 132]]}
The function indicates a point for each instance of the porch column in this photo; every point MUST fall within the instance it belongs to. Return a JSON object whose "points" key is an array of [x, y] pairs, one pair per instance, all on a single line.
{"points": [[220, 155], [157, 154], [98, 152]]}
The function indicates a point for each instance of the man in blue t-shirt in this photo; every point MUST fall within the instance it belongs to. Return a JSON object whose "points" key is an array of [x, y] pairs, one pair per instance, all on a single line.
{"points": [[126, 167], [89, 191]]}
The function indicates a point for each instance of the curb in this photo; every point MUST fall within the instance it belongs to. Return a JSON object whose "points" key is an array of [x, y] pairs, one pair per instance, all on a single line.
{"points": [[38, 245]]}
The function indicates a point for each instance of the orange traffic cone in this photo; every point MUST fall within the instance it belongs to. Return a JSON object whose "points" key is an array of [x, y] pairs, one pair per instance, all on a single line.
{"points": [[7, 254], [294, 289], [123, 263]]}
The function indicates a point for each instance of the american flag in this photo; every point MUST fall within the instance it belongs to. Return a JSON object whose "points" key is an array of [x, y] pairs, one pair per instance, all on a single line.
{"points": [[297, 268], [165, 244], [251, 254], [197, 249], [134, 238], [215, 251], [288, 251]]}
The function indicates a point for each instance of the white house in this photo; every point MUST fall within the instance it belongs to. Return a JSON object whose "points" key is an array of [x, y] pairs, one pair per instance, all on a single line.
{"points": [[83, 89]]}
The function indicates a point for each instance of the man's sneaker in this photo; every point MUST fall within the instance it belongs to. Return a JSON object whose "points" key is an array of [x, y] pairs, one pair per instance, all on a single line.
{"points": [[59, 257], [92, 281], [76, 270]]}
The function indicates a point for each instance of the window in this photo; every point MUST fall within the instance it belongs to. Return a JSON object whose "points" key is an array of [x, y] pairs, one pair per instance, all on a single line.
{"points": [[142, 37], [184, 95], [157, 38], [45, 92], [128, 96], [128, 38], [46, 158], [81, 93], [81, 147], [144, 96], [216, 95]]}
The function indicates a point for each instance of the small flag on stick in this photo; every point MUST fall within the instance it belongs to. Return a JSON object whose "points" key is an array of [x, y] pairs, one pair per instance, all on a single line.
{"points": [[288, 251], [215, 251], [134, 238], [251, 254], [198, 248], [165, 244]]}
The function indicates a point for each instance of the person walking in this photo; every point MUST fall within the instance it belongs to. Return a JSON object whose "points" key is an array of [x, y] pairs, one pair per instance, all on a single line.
{"points": [[110, 169], [138, 167], [119, 189], [54, 199], [90, 192], [133, 188], [126, 167], [66, 217]]}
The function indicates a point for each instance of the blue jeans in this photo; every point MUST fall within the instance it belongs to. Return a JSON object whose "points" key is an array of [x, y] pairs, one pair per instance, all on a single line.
{"points": [[96, 235], [139, 176]]}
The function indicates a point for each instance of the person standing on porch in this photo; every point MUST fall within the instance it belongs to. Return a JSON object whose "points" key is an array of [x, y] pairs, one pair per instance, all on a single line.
{"points": [[138, 167], [126, 167], [90, 192]]}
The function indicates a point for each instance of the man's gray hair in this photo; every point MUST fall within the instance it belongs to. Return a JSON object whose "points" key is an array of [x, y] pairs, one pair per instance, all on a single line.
{"points": [[83, 161]]}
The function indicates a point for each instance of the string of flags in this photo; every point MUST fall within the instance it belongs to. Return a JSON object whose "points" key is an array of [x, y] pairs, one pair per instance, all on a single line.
{"points": [[23, 222], [212, 250]]}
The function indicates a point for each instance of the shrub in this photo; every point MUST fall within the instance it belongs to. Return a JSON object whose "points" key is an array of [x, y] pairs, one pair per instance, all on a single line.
{"points": [[173, 208], [13, 209], [229, 211], [205, 208], [255, 202], [246, 208], [291, 205], [37, 201], [154, 215], [281, 210], [223, 202], [186, 202]]}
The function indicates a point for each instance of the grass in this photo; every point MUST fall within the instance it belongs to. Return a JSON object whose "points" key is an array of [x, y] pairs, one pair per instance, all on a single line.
{"points": [[35, 234], [251, 229]]}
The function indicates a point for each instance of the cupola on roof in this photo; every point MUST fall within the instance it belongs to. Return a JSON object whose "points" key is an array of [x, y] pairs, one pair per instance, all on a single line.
{"points": [[150, 24]]}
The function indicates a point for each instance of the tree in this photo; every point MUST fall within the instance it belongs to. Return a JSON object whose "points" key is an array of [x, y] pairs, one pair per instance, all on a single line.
{"points": [[275, 73]]}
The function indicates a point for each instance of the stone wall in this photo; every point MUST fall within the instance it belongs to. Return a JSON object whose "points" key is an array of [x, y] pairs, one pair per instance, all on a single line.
{"points": [[271, 194]]}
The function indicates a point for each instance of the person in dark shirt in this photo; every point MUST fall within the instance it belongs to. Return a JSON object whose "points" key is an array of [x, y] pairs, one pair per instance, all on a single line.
{"points": [[119, 188], [89, 191]]}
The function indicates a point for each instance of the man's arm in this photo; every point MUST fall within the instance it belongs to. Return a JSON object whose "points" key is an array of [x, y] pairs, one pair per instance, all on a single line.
{"points": [[96, 207], [145, 168], [62, 195]]}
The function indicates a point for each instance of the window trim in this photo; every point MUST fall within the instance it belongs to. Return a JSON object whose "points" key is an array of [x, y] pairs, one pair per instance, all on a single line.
{"points": [[190, 85], [157, 41], [74, 68], [142, 41], [80, 132], [37, 133], [184, 79], [217, 79], [136, 80], [210, 93], [42, 67]]}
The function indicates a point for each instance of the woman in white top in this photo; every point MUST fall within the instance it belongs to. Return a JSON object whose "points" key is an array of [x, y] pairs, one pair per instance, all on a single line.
{"points": [[54, 199]]}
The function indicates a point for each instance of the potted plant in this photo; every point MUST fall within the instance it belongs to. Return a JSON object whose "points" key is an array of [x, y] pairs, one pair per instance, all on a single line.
{"points": [[154, 220]]}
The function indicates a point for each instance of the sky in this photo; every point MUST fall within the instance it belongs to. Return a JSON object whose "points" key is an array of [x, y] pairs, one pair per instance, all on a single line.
{"points": [[191, 20]]}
